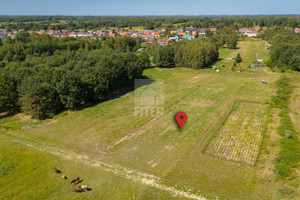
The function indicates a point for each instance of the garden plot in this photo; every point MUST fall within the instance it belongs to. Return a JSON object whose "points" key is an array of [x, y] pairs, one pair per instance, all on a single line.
{"points": [[239, 138]]}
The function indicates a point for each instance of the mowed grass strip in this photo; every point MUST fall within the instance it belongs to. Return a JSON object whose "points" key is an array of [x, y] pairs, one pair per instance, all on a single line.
{"points": [[239, 139]]}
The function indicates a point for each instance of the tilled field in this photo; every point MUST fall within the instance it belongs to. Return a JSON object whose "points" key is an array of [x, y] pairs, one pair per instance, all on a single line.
{"points": [[239, 138]]}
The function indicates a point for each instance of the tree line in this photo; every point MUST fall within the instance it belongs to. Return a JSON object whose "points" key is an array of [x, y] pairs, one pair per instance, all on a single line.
{"points": [[96, 22], [41, 75]]}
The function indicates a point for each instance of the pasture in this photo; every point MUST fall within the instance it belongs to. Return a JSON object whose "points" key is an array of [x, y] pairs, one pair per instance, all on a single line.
{"points": [[124, 156]]}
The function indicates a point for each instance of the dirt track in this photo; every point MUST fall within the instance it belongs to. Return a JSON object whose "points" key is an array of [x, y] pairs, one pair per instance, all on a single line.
{"points": [[146, 179]]}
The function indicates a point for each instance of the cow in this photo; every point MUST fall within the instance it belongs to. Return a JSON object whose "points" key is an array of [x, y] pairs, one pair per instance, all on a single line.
{"points": [[75, 180], [83, 187], [57, 171], [64, 177], [77, 189]]}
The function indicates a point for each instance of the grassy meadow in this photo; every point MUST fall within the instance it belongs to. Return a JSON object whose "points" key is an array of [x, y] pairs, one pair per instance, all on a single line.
{"points": [[149, 146]]}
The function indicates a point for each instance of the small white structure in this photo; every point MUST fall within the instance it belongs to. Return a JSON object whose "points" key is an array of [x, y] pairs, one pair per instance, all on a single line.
{"points": [[173, 38], [217, 70]]}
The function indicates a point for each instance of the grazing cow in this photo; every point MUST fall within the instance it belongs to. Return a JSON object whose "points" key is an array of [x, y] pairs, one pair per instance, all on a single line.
{"points": [[75, 180], [77, 189], [83, 187], [64, 177], [57, 171]]}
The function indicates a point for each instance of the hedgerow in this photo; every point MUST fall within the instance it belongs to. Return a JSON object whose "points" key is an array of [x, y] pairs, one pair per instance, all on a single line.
{"points": [[289, 156]]}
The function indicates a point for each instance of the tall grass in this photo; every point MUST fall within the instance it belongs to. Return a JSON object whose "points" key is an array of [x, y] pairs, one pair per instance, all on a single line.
{"points": [[289, 156]]}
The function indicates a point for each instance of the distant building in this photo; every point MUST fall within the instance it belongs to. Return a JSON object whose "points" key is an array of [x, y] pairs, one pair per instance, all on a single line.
{"points": [[173, 38], [252, 33], [242, 30], [202, 31], [156, 34], [151, 39], [213, 30], [163, 42]]}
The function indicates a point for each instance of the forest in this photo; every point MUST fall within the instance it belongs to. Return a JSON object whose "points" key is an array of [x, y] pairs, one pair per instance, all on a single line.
{"points": [[285, 50], [94, 22], [196, 54], [41, 75]]}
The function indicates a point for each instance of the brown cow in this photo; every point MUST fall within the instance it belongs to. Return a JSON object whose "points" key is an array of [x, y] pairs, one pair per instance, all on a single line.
{"points": [[77, 189], [75, 180]]}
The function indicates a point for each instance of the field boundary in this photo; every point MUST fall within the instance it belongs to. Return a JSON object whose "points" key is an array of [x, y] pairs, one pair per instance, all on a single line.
{"points": [[143, 178]]}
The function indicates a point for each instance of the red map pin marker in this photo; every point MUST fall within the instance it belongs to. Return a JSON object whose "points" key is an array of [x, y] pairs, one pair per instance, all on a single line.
{"points": [[181, 118]]}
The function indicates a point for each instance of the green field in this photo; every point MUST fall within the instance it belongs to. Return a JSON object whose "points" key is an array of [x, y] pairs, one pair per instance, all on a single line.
{"points": [[123, 156]]}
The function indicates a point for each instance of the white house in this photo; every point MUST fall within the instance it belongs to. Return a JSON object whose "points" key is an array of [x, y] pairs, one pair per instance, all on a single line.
{"points": [[252, 33]]}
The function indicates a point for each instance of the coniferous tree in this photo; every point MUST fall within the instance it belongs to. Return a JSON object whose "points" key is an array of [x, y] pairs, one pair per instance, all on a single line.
{"points": [[238, 58]]}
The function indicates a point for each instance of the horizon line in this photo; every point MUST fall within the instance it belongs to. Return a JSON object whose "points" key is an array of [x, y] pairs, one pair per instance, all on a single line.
{"points": [[200, 15]]}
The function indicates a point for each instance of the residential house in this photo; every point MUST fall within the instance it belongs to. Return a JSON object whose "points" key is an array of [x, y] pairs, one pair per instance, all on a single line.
{"points": [[151, 39], [173, 38], [30, 32], [252, 33], [163, 42], [202, 31], [242, 31], [156, 34], [194, 33], [134, 34], [64, 35], [214, 30], [112, 34], [51, 32]]}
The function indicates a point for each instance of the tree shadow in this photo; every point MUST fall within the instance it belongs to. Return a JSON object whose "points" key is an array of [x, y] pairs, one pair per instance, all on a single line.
{"points": [[7, 114], [114, 95], [78, 182]]}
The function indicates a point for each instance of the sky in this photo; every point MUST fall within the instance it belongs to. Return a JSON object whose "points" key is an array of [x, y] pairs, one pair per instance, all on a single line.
{"points": [[148, 7]]}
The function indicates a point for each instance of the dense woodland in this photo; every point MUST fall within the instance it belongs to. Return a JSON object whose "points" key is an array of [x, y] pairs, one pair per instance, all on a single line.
{"points": [[93, 22], [285, 50], [195, 54], [42, 75]]}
